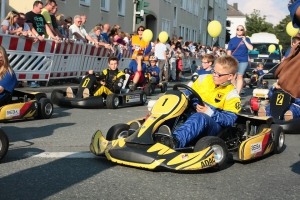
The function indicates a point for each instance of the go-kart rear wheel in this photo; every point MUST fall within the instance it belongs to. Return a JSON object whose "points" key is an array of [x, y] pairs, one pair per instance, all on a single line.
{"points": [[112, 101], [143, 98], [4, 143], [117, 131], [278, 135], [45, 108], [219, 147], [147, 89], [56, 95], [152, 88], [261, 128]]}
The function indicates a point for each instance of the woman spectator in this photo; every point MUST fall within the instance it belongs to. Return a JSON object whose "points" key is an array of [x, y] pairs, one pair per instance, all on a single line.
{"points": [[62, 25], [8, 78], [238, 47], [94, 34], [10, 24]]}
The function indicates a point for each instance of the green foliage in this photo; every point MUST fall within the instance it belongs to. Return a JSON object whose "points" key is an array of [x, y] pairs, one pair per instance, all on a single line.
{"points": [[281, 34], [255, 23]]}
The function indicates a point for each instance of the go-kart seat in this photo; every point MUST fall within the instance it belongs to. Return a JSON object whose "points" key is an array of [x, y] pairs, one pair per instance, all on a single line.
{"points": [[6, 99], [280, 103]]}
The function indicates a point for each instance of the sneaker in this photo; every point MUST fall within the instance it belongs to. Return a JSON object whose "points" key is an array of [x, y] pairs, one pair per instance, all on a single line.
{"points": [[288, 115], [34, 85], [135, 125], [242, 92], [69, 92], [86, 93], [262, 112], [165, 137]]}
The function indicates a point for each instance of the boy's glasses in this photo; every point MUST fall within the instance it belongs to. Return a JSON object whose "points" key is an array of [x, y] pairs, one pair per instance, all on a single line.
{"points": [[218, 74], [205, 62]]}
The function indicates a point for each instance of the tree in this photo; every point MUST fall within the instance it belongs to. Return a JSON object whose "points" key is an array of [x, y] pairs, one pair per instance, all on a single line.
{"points": [[281, 34], [255, 23]]}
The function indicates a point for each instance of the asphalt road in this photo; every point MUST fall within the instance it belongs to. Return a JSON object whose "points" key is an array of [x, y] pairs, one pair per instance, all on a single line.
{"points": [[50, 159]]}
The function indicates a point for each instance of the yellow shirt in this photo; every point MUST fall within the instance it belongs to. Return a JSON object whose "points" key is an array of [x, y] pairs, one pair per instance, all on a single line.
{"points": [[47, 18]]}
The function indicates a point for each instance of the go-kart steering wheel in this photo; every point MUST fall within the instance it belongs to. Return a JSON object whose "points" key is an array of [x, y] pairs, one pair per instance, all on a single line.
{"points": [[194, 93]]}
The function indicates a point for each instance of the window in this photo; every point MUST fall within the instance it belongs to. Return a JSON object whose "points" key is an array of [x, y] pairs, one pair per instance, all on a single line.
{"points": [[170, 1], [204, 38], [183, 4], [205, 13], [201, 3], [166, 25], [105, 5], [175, 16], [196, 7], [190, 5], [85, 3], [181, 32], [121, 7], [200, 28]]}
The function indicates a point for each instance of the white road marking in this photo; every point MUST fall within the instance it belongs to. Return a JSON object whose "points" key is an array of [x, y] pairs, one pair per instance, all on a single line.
{"points": [[60, 155]]}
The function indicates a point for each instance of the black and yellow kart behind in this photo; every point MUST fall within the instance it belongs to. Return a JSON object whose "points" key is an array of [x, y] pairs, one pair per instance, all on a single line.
{"points": [[23, 105], [144, 147]]}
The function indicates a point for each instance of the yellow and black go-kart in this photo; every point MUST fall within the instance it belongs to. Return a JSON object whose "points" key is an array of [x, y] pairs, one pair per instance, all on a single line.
{"points": [[23, 105], [3, 144], [143, 147]]}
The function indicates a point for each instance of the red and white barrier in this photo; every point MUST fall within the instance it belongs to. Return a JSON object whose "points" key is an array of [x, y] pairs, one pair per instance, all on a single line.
{"points": [[41, 61]]}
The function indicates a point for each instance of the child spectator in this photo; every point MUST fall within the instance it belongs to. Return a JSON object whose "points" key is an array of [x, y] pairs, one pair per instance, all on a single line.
{"points": [[257, 74], [154, 69], [194, 66], [207, 62], [178, 66]]}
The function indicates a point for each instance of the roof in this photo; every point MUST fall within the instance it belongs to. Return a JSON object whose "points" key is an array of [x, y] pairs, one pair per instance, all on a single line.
{"points": [[233, 11]]}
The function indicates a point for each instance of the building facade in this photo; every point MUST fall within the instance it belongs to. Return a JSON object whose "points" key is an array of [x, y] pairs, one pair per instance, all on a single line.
{"points": [[186, 18], [234, 18]]}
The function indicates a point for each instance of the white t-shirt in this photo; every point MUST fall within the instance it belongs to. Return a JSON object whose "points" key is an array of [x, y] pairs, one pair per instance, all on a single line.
{"points": [[74, 29], [159, 50], [10, 27]]}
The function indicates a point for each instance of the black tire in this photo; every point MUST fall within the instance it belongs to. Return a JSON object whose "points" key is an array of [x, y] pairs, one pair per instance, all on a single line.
{"points": [[261, 127], [112, 101], [220, 149], [143, 98], [152, 88], [250, 85], [45, 108], [115, 130], [163, 88], [147, 89], [56, 95], [279, 138], [4, 143]]}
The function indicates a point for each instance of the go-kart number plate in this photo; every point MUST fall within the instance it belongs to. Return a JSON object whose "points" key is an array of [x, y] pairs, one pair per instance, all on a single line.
{"points": [[165, 104], [12, 113], [279, 100], [133, 98]]}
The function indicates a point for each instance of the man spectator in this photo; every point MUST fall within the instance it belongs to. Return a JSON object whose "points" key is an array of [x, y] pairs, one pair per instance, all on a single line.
{"points": [[46, 14], [104, 33], [178, 43], [37, 22], [68, 21], [26, 28], [78, 31], [160, 53], [54, 22]]}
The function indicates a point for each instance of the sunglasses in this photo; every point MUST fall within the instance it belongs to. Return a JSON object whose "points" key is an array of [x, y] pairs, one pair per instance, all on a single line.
{"points": [[240, 29], [141, 29], [218, 74]]}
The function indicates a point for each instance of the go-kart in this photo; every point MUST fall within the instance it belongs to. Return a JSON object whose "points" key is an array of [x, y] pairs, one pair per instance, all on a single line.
{"points": [[112, 101], [23, 105], [4, 143], [143, 147], [255, 81], [279, 104], [150, 84]]}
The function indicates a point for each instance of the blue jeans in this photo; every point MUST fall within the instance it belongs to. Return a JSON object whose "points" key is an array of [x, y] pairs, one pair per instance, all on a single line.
{"points": [[242, 68]]}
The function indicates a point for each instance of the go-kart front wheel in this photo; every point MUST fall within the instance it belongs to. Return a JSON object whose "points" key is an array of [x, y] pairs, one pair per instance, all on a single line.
{"points": [[148, 89], [4, 143], [112, 101], [116, 131], [279, 138], [45, 108], [219, 147]]}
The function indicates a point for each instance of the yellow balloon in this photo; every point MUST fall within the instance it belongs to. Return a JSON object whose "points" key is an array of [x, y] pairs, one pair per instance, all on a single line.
{"points": [[280, 47], [214, 28], [271, 48], [163, 36], [291, 31], [147, 35], [277, 40]]}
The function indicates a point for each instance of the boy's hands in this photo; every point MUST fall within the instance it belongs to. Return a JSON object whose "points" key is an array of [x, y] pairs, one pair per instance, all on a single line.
{"points": [[139, 58], [201, 109]]}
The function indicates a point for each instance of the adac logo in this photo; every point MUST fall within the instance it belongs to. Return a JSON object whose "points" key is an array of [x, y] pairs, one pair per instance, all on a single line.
{"points": [[219, 97], [238, 105]]}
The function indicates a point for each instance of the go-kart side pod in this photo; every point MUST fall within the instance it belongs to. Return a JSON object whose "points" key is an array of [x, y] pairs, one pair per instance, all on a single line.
{"points": [[155, 156], [3, 144]]}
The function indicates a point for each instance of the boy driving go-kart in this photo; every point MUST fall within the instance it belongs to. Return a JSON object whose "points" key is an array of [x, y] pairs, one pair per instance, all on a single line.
{"points": [[257, 77], [109, 81], [222, 103], [137, 70]]}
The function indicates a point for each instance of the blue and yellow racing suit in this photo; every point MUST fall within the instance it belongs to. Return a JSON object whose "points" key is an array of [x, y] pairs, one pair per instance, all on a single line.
{"points": [[224, 103]]}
